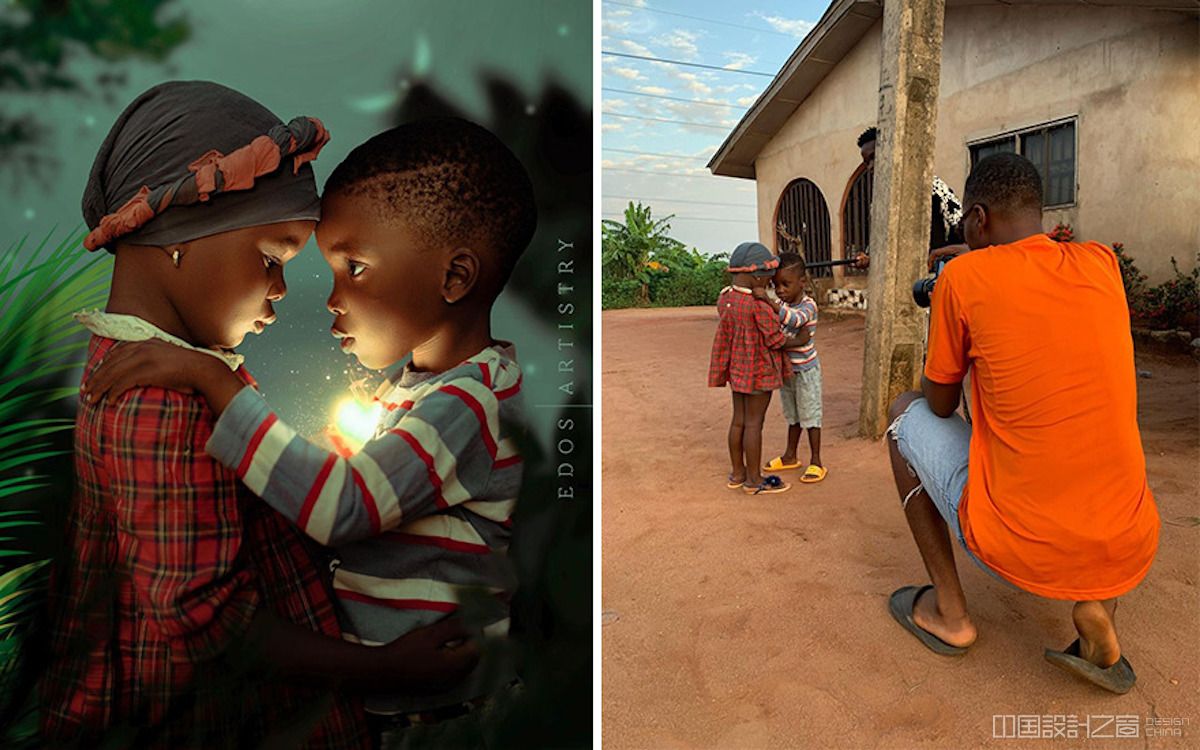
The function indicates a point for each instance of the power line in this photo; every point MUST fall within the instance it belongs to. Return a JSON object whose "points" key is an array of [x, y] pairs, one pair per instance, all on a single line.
{"points": [[686, 64], [662, 119], [672, 98], [676, 200], [696, 218], [652, 153], [699, 18]]}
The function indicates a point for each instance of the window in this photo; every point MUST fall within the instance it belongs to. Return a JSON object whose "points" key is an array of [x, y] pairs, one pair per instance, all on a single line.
{"points": [[802, 224], [1051, 148], [856, 218]]}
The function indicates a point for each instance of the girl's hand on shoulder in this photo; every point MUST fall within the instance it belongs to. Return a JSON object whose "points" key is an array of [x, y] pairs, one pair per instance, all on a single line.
{"points": [[146, 363]]}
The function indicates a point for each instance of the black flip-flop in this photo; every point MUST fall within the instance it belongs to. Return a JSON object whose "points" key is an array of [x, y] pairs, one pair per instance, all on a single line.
{"points": [[1119, 678], [901, 606]]}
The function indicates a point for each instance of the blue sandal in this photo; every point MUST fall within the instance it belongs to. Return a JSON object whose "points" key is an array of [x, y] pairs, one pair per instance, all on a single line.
{"points": [[770, 485]]}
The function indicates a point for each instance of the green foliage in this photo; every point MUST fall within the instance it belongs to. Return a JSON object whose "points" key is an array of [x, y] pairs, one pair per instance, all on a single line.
{"points": [[1176, 302], [1132, 279], [40, 38], [690, 287], [642, 265], [39, 343], [631, 250], [1171, 305], [618, 293]]}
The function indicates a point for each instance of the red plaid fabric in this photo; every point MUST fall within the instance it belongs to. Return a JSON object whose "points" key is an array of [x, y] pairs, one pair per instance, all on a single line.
{"points": [[166, 560], [747, 349]]}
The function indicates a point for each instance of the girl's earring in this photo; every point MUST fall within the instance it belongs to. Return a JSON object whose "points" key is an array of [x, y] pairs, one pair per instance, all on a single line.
{"points": [[175, 258]]}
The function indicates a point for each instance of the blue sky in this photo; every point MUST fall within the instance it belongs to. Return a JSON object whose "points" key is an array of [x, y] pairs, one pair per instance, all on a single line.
{"points": [[712, 214]]}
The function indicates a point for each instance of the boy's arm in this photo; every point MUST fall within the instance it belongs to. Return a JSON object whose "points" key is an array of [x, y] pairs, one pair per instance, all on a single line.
{"points": [[441, 453], [796, 317]]}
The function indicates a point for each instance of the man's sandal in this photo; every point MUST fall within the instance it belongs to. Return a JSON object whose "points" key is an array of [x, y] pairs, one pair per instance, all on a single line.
{"points": [[1119, 678], [901, 604], [770, 485], [777, 464], [814, 474]]}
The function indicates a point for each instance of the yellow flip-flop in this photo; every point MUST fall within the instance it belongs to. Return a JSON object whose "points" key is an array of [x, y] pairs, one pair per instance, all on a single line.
{"points": [[814, 474], [777, 464]]}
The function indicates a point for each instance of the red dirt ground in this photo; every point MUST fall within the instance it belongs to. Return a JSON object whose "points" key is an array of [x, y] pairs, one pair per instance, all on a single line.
{"points": [[738, 622]]}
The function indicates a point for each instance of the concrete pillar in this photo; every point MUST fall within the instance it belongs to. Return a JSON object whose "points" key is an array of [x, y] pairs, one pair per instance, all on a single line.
{"points": [[908, 92]]}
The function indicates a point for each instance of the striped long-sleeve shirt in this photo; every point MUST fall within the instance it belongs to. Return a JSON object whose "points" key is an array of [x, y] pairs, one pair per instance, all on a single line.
{"points": [[794, 319], [421, 513]]}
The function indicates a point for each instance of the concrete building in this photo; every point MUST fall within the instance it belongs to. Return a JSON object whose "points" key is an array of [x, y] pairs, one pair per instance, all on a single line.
{"points": [[1103, 95]]}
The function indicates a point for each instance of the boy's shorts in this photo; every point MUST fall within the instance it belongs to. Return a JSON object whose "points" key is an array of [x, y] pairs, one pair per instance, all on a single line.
{"points": [[801, 396], [937, 450]]}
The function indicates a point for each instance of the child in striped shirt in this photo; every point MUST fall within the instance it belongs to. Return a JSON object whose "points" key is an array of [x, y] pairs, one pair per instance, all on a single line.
{"points": [[801, 395], [422, 226]]}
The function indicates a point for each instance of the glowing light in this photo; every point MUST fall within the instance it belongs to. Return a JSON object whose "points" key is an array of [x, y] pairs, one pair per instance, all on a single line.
{"points": [[355, 421]]}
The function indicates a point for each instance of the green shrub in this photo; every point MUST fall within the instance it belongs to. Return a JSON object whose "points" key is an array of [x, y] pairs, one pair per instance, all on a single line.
{"points": [[1170, 305], [689, 287], [618, 293]]}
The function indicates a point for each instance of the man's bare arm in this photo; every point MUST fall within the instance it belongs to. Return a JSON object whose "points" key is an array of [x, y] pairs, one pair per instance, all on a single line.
{"points": [[942, 397]]}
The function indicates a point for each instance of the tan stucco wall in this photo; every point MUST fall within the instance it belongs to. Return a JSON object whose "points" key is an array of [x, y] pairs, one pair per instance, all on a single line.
{"points": [[1132, 78]]}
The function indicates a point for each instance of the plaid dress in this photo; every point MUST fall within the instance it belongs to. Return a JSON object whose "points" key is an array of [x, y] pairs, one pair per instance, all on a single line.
{"points": [[167, 559], [747, 350]]}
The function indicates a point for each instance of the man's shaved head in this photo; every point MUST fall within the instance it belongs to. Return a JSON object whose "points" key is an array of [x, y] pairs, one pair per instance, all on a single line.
{"points": [[1006, 184]]}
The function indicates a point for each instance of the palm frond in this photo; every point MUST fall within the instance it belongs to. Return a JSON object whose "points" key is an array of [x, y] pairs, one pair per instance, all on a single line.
{"points": [[39, 342]]}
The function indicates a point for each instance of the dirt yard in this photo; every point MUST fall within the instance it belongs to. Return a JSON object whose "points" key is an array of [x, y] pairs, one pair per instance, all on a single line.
{"points": [[739, 622]]}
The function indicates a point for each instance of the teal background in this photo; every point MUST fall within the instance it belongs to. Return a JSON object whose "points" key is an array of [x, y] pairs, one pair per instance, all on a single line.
{"points": [[350, 63]]}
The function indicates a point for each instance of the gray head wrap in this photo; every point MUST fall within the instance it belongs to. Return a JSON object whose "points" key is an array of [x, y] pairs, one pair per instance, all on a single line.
{"points": [[188, 159]]}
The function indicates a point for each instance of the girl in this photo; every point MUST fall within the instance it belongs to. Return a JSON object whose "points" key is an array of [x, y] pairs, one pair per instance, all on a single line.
{"points": [[747, 354]]}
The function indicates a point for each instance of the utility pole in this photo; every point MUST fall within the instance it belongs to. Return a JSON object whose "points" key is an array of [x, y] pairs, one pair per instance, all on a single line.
{"points": [[910, 70]]}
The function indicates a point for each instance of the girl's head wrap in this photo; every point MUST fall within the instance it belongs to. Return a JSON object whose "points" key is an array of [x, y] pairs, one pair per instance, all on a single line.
{"points": [[188, 159]]}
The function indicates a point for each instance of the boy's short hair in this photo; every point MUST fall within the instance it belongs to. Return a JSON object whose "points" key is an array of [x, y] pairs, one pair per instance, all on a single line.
{"points": [[792, 260], [451, 178]]}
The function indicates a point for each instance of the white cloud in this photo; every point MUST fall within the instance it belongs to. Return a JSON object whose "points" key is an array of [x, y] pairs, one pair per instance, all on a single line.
{"points": [[656, 90], [636, 48], [746, 101], [681, 43], [796, 27], [610, 126], [738, 60], [691, 81], [629, 73]]}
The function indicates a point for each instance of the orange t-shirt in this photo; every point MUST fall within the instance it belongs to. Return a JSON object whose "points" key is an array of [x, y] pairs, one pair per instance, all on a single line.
{"points": [[1056, 498]]}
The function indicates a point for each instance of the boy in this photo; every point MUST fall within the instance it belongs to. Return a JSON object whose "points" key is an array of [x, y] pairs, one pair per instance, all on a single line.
{"points": [[801, 394], [422, 226]]}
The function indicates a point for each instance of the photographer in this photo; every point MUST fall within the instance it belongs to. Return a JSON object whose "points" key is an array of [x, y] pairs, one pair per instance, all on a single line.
{"points": [[945, 234], [1046, 490]]}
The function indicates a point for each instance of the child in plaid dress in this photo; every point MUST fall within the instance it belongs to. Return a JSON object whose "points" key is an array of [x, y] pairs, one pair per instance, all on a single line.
{"points": [[747, 354]]}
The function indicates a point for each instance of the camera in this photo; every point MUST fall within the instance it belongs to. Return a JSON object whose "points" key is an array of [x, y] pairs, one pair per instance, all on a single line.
{"points": [[924, 287]]}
